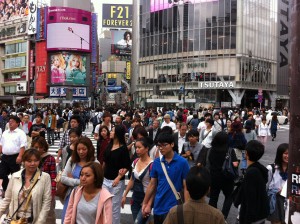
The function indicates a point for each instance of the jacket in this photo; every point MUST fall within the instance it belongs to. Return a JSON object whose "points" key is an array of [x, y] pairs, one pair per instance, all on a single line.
{"points": [[104, 208], [196, 211], [53, 123], [253, 194], [41, 197]]}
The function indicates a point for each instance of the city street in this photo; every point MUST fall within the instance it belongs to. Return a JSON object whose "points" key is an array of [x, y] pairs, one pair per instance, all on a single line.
{"points": [[126, 218]]}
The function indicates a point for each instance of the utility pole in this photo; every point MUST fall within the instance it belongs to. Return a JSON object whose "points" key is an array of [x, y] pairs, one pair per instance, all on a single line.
{"points": [[293, 190]]}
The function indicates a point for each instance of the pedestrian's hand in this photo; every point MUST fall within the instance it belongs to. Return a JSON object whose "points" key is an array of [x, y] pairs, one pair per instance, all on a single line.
{"points": [[123, 201], [57, 160], [116, 182], [19, 160], [146, 211]]}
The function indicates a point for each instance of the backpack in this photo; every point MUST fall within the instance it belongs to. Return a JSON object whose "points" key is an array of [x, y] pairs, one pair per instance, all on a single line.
{"points": [[94, 120], [228, 170]]}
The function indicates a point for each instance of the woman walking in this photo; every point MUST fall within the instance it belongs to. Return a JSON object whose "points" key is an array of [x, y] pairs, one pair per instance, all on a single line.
{"points": [[274, 125], [116, 164], [278, 174]]}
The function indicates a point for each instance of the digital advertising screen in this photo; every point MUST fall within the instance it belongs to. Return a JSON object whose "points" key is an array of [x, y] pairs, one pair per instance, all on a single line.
{"points": [[68, 68], [68, 29], [68, 36], [157, 5]]}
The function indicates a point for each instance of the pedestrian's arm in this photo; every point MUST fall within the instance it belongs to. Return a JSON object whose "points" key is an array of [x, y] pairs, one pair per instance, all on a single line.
{"points": [[128, 188], [151, 189], [0, 149], [22, 150], [185, 192]]}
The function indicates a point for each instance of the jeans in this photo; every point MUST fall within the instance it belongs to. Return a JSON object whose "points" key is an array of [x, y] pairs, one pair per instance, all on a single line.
{"points": [[116, 200], [64, 211], [50, 133], [136, 207]]}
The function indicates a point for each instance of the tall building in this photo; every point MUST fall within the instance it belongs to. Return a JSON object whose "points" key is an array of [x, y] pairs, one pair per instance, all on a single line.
{"points": [[213, 52]]}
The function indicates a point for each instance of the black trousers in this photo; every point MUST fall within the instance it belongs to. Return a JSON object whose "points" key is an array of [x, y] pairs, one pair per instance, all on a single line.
{"points": [[8, 166], [159, 219]]}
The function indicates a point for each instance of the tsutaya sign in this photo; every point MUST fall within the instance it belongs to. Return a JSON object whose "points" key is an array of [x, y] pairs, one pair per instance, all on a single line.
{"points": [[217, 85]]}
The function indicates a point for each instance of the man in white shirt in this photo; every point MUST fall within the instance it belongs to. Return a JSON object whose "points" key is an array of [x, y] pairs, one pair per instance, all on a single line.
{"points": [[180, 137], [12, 145], [202, 125], [168, 122], [218, 124]]}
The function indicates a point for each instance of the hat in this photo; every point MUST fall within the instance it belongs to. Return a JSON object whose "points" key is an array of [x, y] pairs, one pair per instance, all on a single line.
{"points": [[167, 116], [185, 111]]}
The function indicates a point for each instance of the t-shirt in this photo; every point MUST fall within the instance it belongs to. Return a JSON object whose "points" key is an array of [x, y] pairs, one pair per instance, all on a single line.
{"points": [[87, 210], [37, 127], [116, 160]]}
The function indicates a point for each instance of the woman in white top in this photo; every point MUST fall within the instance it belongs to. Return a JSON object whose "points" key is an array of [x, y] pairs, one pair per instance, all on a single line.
{"points": [[139, 180], [263, 131], [278, 174]]}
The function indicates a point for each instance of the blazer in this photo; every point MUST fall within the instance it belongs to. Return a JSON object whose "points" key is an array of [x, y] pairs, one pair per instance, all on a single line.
{"points": [[41, 197], [104, 208], [150, 131], [175, 136]]}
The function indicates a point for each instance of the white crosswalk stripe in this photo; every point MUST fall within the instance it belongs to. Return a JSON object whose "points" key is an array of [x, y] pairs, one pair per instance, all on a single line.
{"points": [[59, 206]]}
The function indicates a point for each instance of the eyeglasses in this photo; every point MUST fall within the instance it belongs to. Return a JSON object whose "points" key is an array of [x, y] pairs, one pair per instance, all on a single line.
{"points": [[163, 145]]}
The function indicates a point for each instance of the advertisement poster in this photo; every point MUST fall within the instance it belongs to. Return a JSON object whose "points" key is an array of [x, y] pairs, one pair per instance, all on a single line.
{"points": [[11, 10], [121, 42], [68, 69], [59, 91]]}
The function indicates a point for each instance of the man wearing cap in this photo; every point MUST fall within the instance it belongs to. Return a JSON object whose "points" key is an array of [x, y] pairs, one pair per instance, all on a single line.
{"points": [[168, 122], [12, 147]]}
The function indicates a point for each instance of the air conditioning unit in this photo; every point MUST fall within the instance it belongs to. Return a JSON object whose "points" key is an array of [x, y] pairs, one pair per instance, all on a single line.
{"points": [[21, 87]]}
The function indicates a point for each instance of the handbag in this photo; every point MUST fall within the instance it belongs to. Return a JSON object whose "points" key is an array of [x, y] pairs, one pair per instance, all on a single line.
{"points": [[228, 170], [23, 220], [61, 190], [177, 194]]}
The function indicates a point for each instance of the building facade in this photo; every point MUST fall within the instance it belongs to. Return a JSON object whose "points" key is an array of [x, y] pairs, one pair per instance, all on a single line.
{"points": [[218, 52]]}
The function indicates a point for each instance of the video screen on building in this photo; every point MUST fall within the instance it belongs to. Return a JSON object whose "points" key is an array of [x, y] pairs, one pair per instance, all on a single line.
{"points": [[157, 5], [68, 36], [68, 68], [121, 42]]}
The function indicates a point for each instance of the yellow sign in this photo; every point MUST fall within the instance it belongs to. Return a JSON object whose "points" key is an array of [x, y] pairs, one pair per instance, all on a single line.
{"points": [[128, 70], [111, 76]]}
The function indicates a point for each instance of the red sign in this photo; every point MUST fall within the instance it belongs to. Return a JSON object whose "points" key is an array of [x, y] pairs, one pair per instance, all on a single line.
{"points": [[41, 68], [31, 65]]}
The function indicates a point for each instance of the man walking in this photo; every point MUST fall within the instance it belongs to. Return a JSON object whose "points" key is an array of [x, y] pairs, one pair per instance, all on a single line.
{"points": [[12, 145]]}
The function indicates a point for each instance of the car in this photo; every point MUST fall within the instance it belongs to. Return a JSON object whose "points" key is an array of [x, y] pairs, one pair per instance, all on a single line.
{"points": [[281, 118]]}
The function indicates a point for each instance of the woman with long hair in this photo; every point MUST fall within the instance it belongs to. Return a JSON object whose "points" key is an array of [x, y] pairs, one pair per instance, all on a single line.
{"points": [[84, 152], [278, 174], [139, 179], [90, 203], [102, 142], [220, 182], [249, 132], [116, 164], [29, 184]]}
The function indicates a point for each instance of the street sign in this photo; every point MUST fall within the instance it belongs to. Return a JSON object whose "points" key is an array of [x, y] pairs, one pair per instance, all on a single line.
{"points": [[260, 98], [260, 92], [181, 89]]}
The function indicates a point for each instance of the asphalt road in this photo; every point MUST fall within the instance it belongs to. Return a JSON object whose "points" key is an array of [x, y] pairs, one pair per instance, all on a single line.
{"points": [[268, 157]]}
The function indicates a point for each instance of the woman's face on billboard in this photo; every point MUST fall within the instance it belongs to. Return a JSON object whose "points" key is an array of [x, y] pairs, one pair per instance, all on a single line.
{"points": [[75, 62], [56, 61]]}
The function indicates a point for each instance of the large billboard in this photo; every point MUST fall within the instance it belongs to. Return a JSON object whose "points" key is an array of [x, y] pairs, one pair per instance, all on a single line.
{"points": [[68, 68], [68, 29], [117, 16], [11, 10], [121, 42], [41, 67], [157, 5]]}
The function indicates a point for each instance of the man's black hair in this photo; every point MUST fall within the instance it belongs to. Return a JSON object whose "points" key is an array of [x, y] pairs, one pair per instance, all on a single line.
{"points": [[198, 182], [255, 150], [165, 138]]}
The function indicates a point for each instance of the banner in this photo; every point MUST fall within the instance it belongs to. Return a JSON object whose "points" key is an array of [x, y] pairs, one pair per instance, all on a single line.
{"points": [[94, 38], [32, 19], [116, 16], [121, 42]]}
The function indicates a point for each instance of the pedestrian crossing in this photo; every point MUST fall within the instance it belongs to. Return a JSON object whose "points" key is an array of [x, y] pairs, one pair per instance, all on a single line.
{"points": [[58, 205]]}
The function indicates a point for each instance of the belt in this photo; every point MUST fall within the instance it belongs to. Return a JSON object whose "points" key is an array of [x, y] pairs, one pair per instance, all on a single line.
{"points": [[12, 154]]}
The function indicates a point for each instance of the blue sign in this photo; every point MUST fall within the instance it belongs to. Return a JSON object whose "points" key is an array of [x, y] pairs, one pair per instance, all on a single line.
{"points": [[112, 89], [94, 38]]}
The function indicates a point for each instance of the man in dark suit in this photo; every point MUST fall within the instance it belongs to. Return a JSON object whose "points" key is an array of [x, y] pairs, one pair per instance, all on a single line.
{"points": [[154, 131], [180, 138]]}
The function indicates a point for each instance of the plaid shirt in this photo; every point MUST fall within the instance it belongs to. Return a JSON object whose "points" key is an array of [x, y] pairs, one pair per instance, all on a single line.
{"points": [[49, 166], [65, 140]]}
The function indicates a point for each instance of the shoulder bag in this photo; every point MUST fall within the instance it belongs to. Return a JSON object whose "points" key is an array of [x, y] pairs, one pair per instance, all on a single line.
{"points": [[177, 194]]}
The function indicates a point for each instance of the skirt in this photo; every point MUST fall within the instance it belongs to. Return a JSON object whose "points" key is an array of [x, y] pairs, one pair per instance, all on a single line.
{"points": [[279, 213]]}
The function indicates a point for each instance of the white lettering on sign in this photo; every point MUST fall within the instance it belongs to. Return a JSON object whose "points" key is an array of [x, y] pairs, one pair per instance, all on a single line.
{"points": [[216, 85], [295, 179]]}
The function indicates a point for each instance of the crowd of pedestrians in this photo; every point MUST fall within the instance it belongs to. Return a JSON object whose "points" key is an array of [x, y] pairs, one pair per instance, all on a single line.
{"points": [[174, 159]]}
